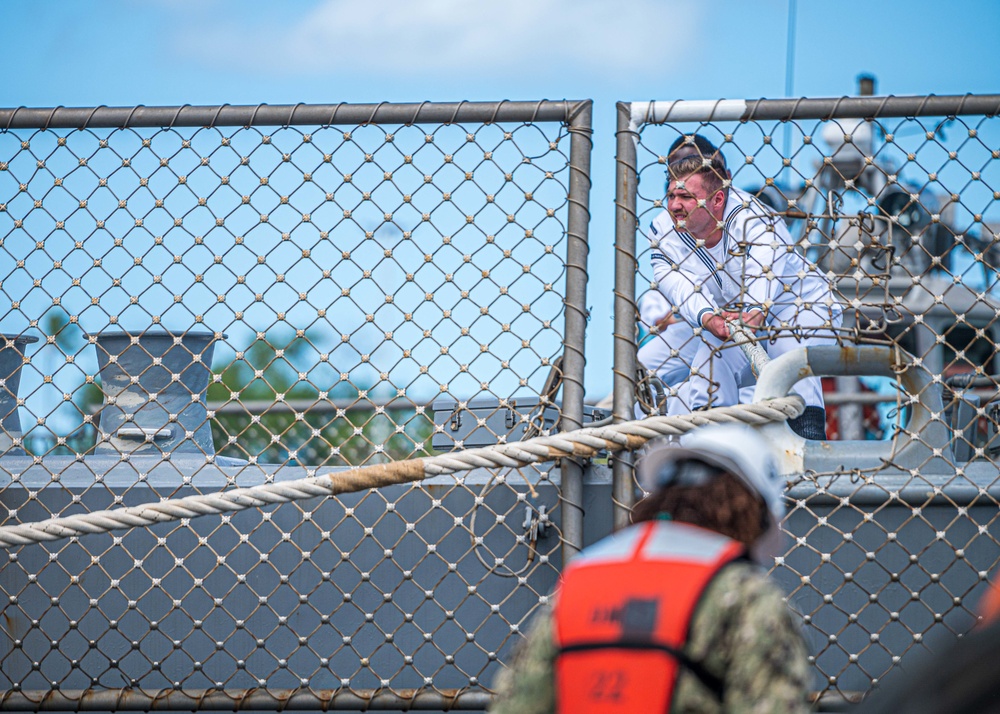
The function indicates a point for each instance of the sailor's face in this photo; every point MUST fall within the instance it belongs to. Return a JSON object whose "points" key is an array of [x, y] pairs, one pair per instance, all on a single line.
{"points": [[691, 205]]}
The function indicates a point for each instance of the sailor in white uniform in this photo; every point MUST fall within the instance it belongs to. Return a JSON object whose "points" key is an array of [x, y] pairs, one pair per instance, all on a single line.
{"points": [[718, 255], [667, 348]]}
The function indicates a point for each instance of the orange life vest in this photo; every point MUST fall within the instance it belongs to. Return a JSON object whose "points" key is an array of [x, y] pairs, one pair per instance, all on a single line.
{"points": [[622, 614], [989, 606]]}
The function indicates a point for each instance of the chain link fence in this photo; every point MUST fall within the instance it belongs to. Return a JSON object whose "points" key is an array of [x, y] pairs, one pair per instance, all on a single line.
{"points": [[891, 205], [204, 297]]}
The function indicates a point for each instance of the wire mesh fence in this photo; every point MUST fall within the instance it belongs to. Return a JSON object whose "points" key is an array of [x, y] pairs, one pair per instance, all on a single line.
{"points": [[850, 222], [203, 297]]}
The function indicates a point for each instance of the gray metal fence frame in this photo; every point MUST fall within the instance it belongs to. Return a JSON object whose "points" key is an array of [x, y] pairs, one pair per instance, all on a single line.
{"points": [[824, 484], [632, 116], [576, 116]]}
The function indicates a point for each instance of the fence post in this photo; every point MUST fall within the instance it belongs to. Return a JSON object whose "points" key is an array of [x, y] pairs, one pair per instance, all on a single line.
{"points": [[626, 178], [574, 361]]}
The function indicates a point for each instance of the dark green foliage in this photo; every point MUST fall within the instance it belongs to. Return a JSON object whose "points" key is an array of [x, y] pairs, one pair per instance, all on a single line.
{"points": [[266, 411]]}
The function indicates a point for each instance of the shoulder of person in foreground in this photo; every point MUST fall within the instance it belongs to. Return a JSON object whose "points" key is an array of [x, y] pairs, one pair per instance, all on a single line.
{"points": [[527, 684], [744, 632]]}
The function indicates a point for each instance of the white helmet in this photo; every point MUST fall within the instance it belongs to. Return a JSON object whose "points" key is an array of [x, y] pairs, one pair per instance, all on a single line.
{"points": [[735, 449]]}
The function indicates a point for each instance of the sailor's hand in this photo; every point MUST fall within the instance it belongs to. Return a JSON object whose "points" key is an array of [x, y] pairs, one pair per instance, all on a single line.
{"points": [[716, 324], [753, 318], [664, 322]]}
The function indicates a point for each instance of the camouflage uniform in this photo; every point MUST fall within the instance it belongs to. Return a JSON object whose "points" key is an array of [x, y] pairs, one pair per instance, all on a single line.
{"points": [[742, 632]]}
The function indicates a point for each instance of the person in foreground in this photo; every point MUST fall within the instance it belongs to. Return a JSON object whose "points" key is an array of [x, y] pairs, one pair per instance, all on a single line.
{"points": [[673, 613]]}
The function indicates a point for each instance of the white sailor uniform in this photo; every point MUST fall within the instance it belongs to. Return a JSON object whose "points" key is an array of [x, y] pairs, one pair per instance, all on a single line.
{"points": [[755, 266]]}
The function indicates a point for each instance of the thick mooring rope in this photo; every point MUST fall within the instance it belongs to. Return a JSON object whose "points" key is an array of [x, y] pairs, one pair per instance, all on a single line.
{"points": [[582, 443], [747, 342]]}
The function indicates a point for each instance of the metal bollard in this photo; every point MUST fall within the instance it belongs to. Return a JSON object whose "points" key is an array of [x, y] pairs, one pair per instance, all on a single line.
{"points": [[11, 361], [154, 387]]}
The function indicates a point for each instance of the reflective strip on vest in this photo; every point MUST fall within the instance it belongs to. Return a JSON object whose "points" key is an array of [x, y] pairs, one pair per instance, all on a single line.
{"points": [[623, 611]]}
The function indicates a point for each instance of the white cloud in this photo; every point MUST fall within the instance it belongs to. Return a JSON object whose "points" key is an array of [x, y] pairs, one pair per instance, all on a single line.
{"points": [[408, 38]]}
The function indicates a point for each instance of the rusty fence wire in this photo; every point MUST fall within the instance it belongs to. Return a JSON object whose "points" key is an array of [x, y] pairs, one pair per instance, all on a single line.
{"points": [[890, 205], [203, 297]]}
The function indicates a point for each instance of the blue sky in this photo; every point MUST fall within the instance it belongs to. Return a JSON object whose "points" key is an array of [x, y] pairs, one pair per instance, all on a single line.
{"points": [[214, 51], [87, 53]]}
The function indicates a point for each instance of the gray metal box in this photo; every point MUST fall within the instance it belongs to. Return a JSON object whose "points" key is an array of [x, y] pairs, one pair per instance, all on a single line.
{"points": [[483, 421]]}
